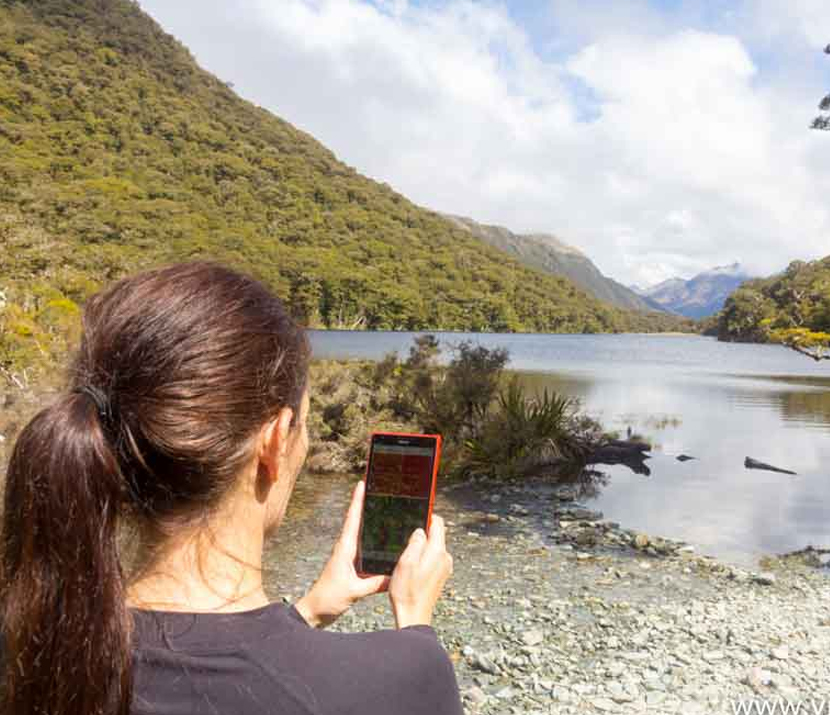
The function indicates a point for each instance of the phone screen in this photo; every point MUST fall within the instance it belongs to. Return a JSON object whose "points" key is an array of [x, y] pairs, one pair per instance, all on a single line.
{"points": [[398, 491]]}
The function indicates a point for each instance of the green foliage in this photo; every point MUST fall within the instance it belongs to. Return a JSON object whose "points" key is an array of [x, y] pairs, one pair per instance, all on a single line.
{"points": [[489, 425], [792, 308], [822, 121], [451, 400], [813, 344], [522, 433], [117, 152]]}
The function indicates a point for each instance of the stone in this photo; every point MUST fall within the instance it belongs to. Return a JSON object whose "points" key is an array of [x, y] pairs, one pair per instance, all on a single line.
{"points": [[586, 537], [484, 664], [581, 514], [654, 698], [604, 704], [781, 653], [475, 694], [635, 657], [615, 670], [756, 678], [640, 541], [765, 578], [533, 637]]}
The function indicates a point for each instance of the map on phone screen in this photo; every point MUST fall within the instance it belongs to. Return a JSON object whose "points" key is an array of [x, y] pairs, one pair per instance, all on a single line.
{"points": [[398, 485]]}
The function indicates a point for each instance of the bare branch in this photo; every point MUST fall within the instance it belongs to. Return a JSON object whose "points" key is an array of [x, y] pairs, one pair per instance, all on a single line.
{"points": [[815, 353], [12, 378]]}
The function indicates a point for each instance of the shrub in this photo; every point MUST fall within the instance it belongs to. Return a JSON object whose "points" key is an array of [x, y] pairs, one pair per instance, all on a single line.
{"points": [[522, 433], [489, 425]]}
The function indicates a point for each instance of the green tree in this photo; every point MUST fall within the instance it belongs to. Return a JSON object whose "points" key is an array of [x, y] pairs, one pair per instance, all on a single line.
{"points": [[823, 120]]}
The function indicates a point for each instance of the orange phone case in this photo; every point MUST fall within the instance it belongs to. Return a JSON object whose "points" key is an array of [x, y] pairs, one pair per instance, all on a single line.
{"points": [[436, 462]]}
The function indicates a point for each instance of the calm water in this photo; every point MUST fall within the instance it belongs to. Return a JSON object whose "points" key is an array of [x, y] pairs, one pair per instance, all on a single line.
{"points": [[690, 395]]}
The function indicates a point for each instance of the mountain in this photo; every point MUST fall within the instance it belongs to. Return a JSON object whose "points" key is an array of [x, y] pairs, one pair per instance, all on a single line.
{"points": [[791, 304], [547, 253], [118, 152], [701, 296]]}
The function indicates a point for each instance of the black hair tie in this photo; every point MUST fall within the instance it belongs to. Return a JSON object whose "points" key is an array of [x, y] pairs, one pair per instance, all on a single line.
{"points": [[102, 403]]}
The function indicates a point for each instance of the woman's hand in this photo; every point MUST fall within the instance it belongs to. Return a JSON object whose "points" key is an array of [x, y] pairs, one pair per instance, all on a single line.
{"points": [[420, 575], [339, 586]]}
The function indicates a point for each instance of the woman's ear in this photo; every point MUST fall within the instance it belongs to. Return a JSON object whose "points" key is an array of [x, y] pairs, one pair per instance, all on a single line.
{"points": [[273, 442]]}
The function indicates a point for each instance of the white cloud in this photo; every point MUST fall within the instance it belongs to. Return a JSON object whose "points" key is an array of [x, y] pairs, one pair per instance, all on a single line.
{"points": [[690, 156]]}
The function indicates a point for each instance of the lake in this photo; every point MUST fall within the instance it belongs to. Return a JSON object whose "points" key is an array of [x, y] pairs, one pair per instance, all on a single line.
{"points": [[689, 395]]}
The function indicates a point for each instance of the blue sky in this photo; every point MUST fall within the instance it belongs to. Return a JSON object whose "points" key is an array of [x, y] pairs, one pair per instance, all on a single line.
{"points": [[661, 137]]}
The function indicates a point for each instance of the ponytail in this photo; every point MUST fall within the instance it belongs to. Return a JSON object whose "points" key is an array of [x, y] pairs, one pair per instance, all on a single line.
{"points": [[65, 629]]}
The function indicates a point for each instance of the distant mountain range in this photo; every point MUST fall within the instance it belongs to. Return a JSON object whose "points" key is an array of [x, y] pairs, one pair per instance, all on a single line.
{"points": [[698, 297], [548, 253]]}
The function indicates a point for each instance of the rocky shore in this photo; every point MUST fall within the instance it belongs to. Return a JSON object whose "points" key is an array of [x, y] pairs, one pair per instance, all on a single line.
{"points": [[553, 610]]}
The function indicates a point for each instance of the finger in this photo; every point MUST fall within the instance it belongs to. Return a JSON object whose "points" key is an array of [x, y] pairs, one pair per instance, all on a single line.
{"points": [[351, 525], [417, 543], [437, 534], [371, 585]]}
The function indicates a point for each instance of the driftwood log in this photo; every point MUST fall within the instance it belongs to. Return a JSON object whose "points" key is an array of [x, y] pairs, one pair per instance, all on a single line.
{"points": [[631, 453], [751, 463]]}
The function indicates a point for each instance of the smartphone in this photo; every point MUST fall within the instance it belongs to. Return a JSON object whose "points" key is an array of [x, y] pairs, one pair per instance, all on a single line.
{"points": [[400, 489]]}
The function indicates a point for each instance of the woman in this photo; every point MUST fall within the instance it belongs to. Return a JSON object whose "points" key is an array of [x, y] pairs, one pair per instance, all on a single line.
{"points": [[186, 417]]}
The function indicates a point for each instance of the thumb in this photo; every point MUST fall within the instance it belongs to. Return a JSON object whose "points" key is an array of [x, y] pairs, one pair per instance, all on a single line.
{"points": [[370, 585]]}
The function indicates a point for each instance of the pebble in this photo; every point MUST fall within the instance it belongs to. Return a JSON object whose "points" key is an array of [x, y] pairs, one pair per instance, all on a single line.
{"points": [[765, 578], [641, 541], [533, 637], [475, 694]]}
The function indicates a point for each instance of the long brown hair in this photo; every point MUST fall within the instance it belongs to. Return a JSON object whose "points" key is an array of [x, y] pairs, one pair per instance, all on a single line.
{"points": [[177, 370]]}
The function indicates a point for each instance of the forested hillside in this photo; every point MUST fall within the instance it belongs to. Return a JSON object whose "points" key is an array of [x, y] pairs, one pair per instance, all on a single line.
{"points": [[118, 152], [793, 307]]}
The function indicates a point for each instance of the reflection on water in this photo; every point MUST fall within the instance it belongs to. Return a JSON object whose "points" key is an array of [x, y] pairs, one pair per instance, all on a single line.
{"points": [[716, 402]]}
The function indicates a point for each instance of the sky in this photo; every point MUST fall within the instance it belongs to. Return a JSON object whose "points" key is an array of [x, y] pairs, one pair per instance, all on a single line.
{"points": [[661, 137]]}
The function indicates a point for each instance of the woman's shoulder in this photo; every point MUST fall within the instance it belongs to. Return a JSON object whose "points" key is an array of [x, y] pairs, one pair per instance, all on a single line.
{"points": [[196, 631], [405, 670]]}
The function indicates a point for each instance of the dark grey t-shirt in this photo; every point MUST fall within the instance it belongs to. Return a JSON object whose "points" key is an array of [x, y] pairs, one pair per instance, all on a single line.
{"points": [[270, 661]]}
